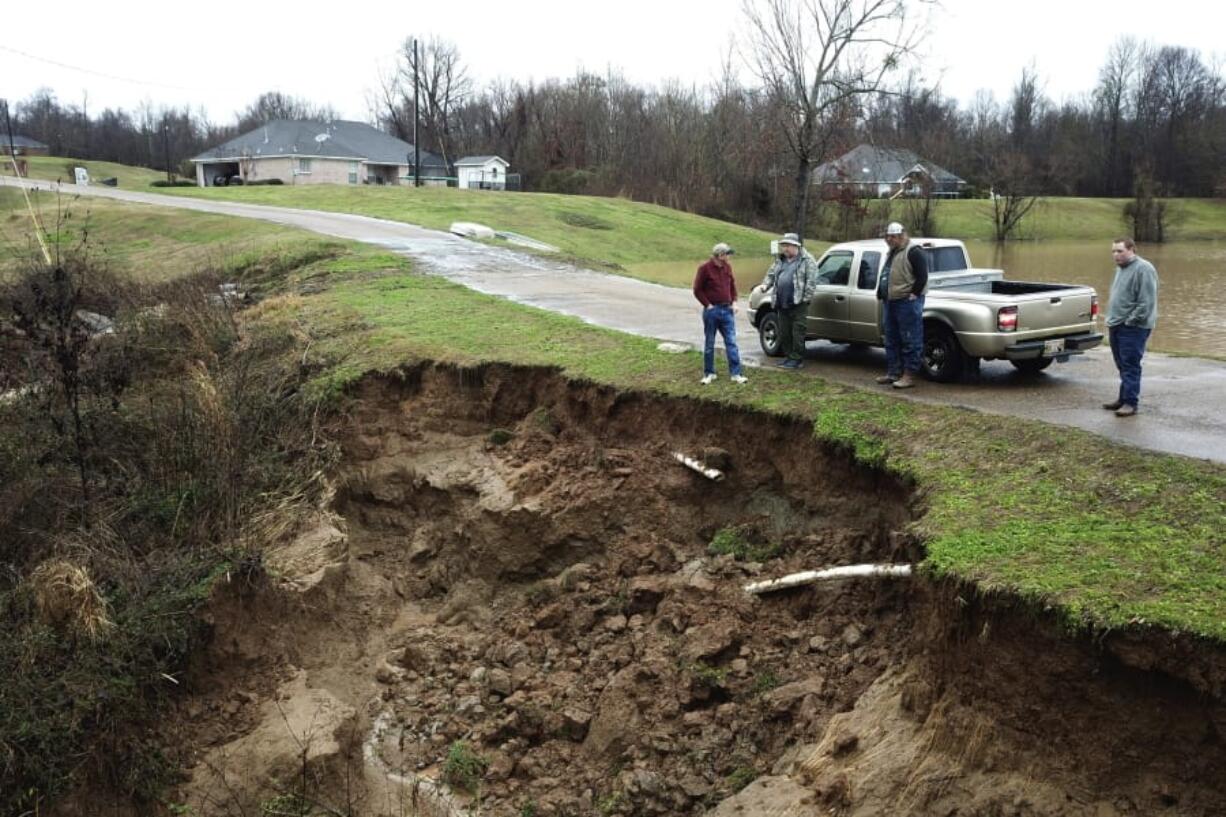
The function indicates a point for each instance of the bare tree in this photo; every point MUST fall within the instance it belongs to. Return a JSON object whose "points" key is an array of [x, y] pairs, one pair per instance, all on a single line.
{"points": [[274, 105], [817, 59], [1111, 102], [442, 85]]}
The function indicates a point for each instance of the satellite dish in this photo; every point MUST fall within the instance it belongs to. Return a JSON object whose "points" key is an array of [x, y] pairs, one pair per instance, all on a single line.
{"points": [[323, 137]]}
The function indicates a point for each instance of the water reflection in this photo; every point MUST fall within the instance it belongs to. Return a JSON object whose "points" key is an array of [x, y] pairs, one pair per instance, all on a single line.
{"points": [[1191, 275]]}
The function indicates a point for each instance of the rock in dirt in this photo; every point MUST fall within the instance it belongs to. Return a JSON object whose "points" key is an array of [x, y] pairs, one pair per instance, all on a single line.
{"points": [[709, 641], [787, 696], [645, 593], [853, 635]]}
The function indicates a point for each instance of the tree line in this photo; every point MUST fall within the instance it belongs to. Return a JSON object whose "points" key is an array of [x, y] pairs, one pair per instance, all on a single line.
{"points": [[1155, 121]]}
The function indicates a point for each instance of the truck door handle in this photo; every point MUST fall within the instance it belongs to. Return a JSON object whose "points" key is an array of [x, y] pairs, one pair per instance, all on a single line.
{"points": [[840, 298]]}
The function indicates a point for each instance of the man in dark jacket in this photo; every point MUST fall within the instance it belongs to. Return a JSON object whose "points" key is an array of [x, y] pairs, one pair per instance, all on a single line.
{"points": [[901, 288], [715, 289]]}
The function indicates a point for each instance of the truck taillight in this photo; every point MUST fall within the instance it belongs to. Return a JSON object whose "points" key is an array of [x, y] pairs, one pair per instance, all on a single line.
{"points": [[1093, 306], [1006, 319]]}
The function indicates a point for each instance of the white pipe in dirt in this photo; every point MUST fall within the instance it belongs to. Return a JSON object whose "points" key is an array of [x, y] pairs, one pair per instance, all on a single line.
{"points": [[689, 462], [830, 574]]}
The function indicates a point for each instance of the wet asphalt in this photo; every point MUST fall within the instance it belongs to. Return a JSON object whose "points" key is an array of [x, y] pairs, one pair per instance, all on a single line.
{"points": [[1183, 399]]}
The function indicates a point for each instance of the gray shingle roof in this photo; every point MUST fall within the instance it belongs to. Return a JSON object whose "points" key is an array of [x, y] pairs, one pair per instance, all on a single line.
{"points": [[337, 139], [22, 142], [478, 160], [866, 164]]}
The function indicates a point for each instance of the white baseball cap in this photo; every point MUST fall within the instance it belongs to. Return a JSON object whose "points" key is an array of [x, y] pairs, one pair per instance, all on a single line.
{"points": [[894, 228]]}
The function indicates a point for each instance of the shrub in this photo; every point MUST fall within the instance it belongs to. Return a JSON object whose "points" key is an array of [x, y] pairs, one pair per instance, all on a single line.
{"points": [[566, 180], [261, 182], [202, 445], [175, 183]]}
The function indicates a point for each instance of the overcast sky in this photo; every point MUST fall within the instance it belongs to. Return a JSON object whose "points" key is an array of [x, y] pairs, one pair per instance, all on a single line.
{"points": [[221, 56]]}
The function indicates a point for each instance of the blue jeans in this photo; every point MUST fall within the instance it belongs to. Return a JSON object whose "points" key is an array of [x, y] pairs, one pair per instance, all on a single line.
{"points": [[904, 335], [1127, 348], [720, 318]]}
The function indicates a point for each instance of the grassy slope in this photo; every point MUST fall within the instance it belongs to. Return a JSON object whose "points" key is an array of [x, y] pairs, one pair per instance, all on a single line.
{"points": [[148, 240], [56, 167], [612, 232], [1109, 534], [1081, 219]]}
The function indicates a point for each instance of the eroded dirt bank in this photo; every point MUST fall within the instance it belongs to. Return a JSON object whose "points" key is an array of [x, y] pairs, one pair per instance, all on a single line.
{"points": [[516, 574]]}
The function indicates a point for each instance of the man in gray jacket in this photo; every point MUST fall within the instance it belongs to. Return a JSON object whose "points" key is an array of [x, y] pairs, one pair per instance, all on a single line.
{"points": [[792, 276], [1131, 316]]}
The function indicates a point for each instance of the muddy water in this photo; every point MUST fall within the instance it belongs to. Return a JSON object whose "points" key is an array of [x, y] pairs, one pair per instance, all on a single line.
{"points": [[1192, 274], [1192, 296]]}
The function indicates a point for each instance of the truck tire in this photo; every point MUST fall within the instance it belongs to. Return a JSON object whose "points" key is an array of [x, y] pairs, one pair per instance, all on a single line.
{"points": [[1032, 365], [768, 334], [942, 359]]}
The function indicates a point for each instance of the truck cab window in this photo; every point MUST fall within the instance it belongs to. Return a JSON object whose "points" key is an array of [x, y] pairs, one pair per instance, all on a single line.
{"points": [[835, 269], [870, 262]]}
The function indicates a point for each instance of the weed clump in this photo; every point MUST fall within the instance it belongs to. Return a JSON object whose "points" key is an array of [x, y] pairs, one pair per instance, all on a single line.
{"points": [[736, 542], [463, 768]]}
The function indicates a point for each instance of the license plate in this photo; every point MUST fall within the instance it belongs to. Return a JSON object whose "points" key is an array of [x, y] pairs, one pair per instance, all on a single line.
{"points": [[1051, 348]]}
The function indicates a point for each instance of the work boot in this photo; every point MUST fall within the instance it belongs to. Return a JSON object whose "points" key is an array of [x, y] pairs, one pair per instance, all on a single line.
{"points": [[707, 379], [1125, 411], [794, 364], [905, 382], [1113, 405], [783, 364], [886, 379]]}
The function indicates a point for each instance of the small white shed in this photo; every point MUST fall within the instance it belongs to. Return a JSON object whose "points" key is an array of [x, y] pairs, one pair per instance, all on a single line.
{"points": [[482, 172]]}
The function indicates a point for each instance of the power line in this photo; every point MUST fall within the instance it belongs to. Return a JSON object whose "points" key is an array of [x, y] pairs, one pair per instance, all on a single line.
{"points": [[96, 73]]}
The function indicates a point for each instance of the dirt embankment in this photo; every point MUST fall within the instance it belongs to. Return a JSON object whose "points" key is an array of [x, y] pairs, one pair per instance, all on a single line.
{"points": [[515, 595]]}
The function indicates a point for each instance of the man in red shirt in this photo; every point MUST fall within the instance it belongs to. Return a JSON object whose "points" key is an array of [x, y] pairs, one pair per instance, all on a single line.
{"points": [[715, 289]]}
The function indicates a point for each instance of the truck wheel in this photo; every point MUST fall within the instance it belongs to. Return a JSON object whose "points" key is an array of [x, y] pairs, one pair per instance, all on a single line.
{"points": [[1032, 365], [943, 359], [768, 334]]}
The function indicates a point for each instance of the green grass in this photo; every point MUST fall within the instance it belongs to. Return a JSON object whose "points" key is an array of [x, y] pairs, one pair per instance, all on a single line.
{"points": [[1081, 219], [611, 232], [156, 243], [53, 168], [1107, 534]]}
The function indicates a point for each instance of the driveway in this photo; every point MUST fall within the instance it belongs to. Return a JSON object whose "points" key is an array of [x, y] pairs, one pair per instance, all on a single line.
{"points": [[1181, 405]]}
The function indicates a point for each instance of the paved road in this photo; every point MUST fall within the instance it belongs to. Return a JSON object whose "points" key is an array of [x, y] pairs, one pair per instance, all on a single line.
{"points": [[1182, 405]]}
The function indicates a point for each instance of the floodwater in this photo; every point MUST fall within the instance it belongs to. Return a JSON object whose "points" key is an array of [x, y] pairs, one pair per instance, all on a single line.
{"points": [[1191, 296]]}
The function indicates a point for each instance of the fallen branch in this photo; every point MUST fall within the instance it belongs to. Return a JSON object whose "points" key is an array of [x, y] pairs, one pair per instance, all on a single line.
{"points": [[830, 574], [713, 474]]}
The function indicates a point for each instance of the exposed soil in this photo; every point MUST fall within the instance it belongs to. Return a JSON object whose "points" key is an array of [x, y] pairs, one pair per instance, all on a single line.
{"points": [[514, 561]]}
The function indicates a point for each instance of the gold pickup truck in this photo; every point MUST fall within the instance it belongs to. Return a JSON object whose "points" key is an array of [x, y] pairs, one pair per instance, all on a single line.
{"points": [[969, 314]]}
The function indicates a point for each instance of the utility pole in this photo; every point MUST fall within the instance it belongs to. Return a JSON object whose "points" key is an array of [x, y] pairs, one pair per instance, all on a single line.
{"points": [[166, 148], [416, 142], [8, 126]]}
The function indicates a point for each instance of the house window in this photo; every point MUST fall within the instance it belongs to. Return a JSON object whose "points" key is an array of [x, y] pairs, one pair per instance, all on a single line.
{"points": [[304, 165], [353, 172]]}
